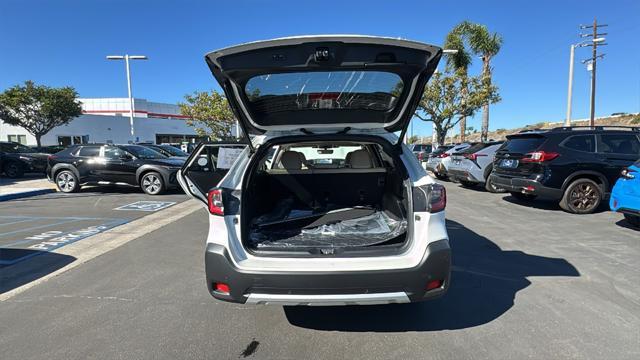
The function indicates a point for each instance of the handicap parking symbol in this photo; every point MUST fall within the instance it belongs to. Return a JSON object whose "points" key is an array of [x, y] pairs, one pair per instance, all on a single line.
{"points": [[146, 206]]}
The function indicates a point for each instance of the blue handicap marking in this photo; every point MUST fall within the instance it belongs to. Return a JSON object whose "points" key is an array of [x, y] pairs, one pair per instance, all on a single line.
{"points": [[146, 206]]}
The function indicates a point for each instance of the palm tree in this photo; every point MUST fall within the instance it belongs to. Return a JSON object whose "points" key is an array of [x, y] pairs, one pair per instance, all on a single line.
{"points": [[487, 45], [459, 61]]}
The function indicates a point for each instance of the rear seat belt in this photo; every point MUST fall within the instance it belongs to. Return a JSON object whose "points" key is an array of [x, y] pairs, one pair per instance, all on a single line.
{"points": [[299, 191]]}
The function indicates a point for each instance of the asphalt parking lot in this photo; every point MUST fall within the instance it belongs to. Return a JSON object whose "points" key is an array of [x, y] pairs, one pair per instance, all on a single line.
{"points": [[529, 281], [33, 225]]}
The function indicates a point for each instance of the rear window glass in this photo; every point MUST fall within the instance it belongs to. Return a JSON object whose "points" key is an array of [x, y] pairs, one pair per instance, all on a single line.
{"points": [[586, 143], [522, 144], [346, 90], [441, 149], [477, 147]]}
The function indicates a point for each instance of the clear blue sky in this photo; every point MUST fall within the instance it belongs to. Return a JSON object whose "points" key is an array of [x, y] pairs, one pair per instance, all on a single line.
{"points": [[64, 43]]}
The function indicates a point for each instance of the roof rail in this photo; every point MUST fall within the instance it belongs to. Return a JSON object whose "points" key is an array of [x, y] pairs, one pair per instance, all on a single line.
{"points": [[530, 130], [597, 127]]}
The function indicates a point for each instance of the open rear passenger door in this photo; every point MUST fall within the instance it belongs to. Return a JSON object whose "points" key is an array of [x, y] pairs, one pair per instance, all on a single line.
{"points": [[207, 166]]}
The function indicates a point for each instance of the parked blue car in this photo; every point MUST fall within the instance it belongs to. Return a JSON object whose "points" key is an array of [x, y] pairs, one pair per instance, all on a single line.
{"points": [[625, 197]]}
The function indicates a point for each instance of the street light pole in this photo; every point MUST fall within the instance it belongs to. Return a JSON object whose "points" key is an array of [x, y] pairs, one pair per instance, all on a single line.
{"points": [[567, 121], [132, 107], [593, 42]]}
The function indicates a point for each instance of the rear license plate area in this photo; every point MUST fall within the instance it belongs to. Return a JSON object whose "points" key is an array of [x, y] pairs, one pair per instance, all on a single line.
{"points": [[508, 163]]}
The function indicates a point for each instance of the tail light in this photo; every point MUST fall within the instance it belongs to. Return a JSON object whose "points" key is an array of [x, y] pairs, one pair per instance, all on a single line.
{"points": [[474, 157], [443, 155], [221, 288], [429, 198], [539, 156], [628, 174], [214, 198]]}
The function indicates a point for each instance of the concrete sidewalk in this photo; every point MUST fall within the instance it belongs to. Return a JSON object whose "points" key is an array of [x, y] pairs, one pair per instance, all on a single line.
{"points": [[24, 187]]}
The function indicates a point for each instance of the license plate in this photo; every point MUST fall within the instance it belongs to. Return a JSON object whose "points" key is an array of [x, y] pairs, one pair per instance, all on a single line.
{"points": [[509, 163], [456, 161]]}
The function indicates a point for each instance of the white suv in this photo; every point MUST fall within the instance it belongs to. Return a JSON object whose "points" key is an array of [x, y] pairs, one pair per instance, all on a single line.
{"points": [[324, 205], [473, 165]]}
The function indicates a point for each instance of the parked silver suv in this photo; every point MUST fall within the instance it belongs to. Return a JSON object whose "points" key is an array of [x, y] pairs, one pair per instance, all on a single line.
{"points": [[324, 205]]}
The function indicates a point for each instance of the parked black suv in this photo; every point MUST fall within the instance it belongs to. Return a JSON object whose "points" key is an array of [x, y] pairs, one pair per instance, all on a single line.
{"points": [[576, 165], [113, 164], [17, 159]]}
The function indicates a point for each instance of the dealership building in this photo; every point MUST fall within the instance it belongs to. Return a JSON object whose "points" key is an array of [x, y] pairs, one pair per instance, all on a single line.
{"points": [[106, 120]]}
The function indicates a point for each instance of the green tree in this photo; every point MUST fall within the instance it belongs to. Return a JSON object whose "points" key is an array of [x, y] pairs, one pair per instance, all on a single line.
{"points": [[487, 45], [442, 101], [209, 114], [38, 108], [413, 139]]}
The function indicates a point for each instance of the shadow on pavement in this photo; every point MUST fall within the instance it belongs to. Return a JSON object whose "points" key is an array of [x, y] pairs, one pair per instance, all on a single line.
{"points": [[485, 280], [627, 225], [548, 204], [22, 266]]}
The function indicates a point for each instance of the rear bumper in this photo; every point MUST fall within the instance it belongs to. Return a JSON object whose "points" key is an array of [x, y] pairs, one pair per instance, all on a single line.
{"points": [[460, 174], [329, 288], [525, 186]]}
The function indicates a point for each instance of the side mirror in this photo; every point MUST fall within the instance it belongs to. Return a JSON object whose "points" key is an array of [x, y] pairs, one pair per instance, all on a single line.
{"points": [[126, 157]]}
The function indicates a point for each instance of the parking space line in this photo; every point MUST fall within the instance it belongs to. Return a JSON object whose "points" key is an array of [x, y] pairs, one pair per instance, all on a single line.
{"points": [[33, 228], [16, 222]]}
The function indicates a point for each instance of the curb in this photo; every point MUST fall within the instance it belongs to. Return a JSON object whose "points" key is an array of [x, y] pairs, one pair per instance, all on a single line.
{"points": [[24, 194]]}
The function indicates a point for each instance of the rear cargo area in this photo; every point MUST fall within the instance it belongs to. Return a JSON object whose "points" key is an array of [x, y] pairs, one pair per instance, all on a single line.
{"points": [[323, 198]]}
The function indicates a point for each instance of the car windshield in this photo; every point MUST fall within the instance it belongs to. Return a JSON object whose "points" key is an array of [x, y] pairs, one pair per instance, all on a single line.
{"points": [[522, 144], [142, 152], [344, 90], [17, 148], [173, 150]]}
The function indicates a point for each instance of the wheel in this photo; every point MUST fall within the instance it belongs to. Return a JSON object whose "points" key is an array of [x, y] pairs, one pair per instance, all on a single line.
{"points": [[13, 170], [582, 196], [467, 184], [492, 188], [521, 196], [634, 220], [152, 183], [67, 181]]}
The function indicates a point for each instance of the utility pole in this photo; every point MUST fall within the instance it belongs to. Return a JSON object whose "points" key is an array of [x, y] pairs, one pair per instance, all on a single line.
{"points": [[593, 61]]}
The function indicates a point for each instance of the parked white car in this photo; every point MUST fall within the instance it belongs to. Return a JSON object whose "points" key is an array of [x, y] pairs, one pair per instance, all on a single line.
{"points": [[325, 206], [473, 165], [438, 161]]}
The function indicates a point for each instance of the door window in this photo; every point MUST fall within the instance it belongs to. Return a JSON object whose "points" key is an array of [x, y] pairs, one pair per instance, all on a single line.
{"points": [[113, 153], [585, 143], [620, 144], [209, 164], [89, 151]]}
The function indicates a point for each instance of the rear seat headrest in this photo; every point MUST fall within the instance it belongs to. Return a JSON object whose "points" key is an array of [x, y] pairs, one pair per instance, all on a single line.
{"points": [[291, 160], [359, 159]]}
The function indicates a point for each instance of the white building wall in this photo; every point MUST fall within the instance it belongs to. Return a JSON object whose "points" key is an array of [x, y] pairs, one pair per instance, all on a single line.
{"points": [[102, 129]]}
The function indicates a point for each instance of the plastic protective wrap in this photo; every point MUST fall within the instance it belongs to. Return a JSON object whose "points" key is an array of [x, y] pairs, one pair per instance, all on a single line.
{"points": [[359, 232]]}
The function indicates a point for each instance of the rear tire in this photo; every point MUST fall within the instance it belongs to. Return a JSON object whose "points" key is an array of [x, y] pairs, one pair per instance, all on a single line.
{"points": [[523, 197], [67, 182], [468, 184], [583, 196], [440, 176], [634, 220], [13, 170], [152, 183], [492, 188]]}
